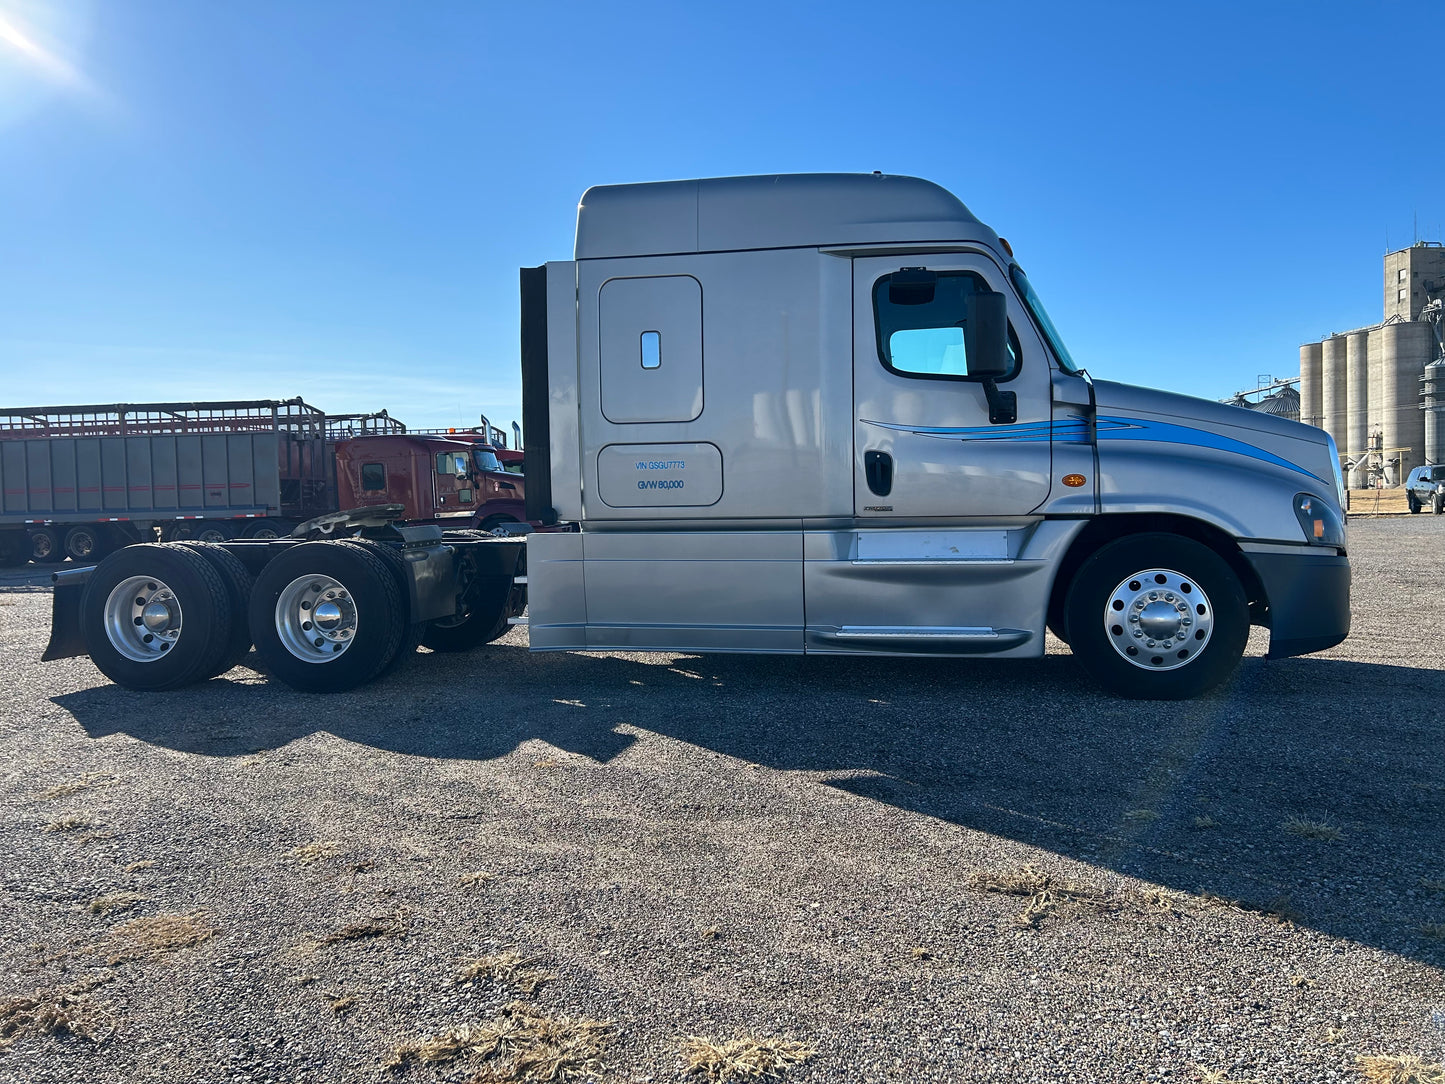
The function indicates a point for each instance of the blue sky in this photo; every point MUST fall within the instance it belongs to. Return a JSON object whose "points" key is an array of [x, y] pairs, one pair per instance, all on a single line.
{"points": [[206, 199]]}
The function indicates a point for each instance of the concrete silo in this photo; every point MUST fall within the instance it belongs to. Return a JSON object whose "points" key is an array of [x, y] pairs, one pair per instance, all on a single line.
{"points": [[1432, 401], [1404, 350], [1332, 388], [1357, 389], [1310, 358]]}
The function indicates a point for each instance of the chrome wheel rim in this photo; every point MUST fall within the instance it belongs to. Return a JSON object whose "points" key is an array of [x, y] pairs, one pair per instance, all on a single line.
{"points": [[316, 618], [142, 618], [1158, 619]]}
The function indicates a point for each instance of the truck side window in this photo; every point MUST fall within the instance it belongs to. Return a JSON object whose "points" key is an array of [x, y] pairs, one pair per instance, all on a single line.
{"points": [[373, 476], [926, 339]]}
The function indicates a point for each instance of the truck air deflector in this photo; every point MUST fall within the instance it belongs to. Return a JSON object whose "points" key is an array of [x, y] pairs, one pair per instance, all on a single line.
{"points": [[537, 457]]}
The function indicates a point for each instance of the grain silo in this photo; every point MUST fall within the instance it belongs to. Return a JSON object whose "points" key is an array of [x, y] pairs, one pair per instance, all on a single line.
{"points": [[1404, 350], [1332, 388], [1310, 359], [1357, 384]]}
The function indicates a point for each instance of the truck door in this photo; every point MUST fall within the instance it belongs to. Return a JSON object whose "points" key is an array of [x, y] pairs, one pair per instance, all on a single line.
{"points": [[926, 445]]}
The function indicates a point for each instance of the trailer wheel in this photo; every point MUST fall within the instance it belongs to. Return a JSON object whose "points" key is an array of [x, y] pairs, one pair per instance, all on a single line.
{"points": [[1157, 617], [155, 616], [326, 616], [214, 532], [14, 549], [268, 528], [83, 543], [45, 547], [238, 581]]}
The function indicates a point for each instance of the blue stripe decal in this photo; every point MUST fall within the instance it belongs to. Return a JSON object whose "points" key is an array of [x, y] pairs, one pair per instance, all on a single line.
{"points": [[1075, 430]]}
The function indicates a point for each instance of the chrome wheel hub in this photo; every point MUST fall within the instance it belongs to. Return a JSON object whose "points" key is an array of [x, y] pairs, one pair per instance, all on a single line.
{"points": [[142, 618], [1158, 619], [316, 618]]}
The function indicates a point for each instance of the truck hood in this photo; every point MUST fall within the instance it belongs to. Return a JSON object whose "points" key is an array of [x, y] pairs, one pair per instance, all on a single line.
{"points": [[1184, 419]]}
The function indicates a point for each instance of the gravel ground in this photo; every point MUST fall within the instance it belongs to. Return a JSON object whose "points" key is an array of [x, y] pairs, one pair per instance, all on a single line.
{"points": [[727, 846]]}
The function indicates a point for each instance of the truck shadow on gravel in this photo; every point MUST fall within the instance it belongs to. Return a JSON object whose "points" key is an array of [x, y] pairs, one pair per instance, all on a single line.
{"points": [[1311, 788]]}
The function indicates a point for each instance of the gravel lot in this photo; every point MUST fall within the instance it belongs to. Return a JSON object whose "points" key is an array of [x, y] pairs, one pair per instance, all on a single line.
{"points": [[721, 846]]}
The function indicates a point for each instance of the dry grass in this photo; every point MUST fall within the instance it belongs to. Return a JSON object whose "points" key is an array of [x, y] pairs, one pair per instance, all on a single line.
{"points": [[475, 878], [1399, 1069], [1205, 821], [309, 853], [918, 952], [710, 933], [67, 1013], [1142, 816], [1308, 829], [519, 1045], [746, 1057], [74, 786], [71, 822], [1433, 930], [1303, 982], [153, 936], [136, 867], [508, 968], [1432, 886], [116, 901], [341, 1004], [394, 924], [1045, 893]]}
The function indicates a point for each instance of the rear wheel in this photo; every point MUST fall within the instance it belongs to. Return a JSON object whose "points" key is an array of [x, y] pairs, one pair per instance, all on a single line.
{"points": [[155, 616], [238, 582], [327, 616], [413, 631], [45, 547], [1157, 617]]}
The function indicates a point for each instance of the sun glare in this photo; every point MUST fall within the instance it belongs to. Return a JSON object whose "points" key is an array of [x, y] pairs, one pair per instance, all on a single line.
{"points": [[42, 58]]}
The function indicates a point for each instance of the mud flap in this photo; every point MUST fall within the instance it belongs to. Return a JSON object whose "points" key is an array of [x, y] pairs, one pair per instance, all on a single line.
{"points": [[66, 638]]}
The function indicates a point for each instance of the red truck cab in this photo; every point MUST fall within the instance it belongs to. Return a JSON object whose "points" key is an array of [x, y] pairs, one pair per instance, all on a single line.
{"points": [[431, 477]]}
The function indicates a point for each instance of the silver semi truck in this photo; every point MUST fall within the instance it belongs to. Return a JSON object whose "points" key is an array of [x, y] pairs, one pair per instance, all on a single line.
{"points": [[813, 414]]}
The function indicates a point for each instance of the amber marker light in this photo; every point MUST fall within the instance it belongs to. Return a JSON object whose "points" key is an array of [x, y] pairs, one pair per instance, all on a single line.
{"points": [[1074, 480], [1006, 246]]}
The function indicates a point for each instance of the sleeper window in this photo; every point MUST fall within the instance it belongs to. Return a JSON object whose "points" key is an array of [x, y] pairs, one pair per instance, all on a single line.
{"points": [[373, 476]]}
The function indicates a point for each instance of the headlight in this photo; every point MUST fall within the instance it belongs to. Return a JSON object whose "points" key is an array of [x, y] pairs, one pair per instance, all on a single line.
{"points": [[1321, 524]]}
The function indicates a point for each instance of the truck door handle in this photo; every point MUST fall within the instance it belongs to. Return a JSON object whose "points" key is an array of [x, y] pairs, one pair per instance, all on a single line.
{"points": [[878, 469], [507, 485]]}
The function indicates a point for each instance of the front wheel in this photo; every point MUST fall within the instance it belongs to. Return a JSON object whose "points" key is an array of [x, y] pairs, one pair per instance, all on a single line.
{"points": [[1412, 501], [1439, 503], [1157, 617]]}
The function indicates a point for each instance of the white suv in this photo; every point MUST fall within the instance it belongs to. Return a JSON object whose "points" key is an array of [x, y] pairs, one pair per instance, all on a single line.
{"points": [[1426, 485]]}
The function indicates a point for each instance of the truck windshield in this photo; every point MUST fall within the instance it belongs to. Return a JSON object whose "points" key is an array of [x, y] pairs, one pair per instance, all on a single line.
{"points": [[486, 459], [1041, 318]]}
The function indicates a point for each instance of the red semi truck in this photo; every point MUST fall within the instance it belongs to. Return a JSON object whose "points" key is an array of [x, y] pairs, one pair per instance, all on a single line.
{"points": [[80, 481]]}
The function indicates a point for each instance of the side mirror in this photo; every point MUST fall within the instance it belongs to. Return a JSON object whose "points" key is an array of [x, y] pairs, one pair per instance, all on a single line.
{"points": [[985, 334]]}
